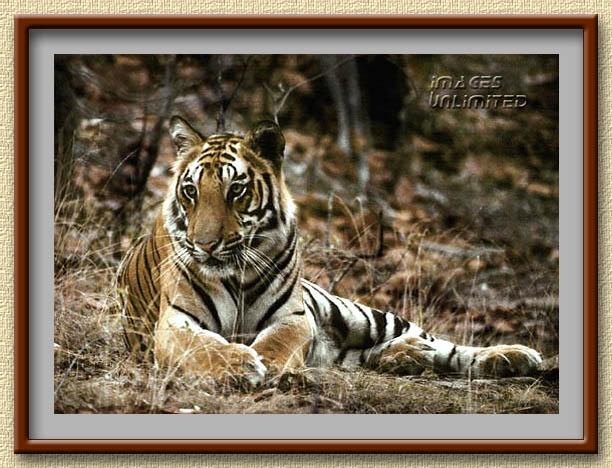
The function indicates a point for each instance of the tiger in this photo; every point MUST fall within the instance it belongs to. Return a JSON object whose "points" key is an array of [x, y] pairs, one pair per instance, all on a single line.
{"points": [[217, 287]]}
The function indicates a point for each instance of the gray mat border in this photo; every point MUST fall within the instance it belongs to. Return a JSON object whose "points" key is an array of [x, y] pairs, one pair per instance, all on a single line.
{"points": [[45, 424]]}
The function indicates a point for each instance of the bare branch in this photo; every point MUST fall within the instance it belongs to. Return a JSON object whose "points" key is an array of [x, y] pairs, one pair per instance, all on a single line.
{"points": [[148, 159], [223, 100], [218, 89], [337, 279], [334, 278], [330, 271], [454, 250], [381, 245], [89, 76], [280, 101], [245, 66]]}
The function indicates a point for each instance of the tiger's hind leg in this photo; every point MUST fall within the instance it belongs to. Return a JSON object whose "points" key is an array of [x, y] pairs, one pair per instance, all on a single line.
{"points": [[411, 355], [362, 336], [403, 355]]}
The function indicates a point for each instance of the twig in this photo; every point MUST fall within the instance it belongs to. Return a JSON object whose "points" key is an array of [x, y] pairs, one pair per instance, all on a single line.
{"points": [[77, 356], [381, 245], [97, 259], [220, 96], [337, 279], [483, 252], [279, 102], [330, 271], [87, 75], [331, 274], [245, 65], [317, 391], [226, 101]]}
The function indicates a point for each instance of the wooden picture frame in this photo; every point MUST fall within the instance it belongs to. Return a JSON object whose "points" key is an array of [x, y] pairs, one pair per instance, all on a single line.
{"points": [[24, 25]]}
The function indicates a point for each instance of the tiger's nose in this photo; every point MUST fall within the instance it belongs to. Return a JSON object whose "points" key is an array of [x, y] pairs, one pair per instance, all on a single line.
{"points": [[208, 246]]}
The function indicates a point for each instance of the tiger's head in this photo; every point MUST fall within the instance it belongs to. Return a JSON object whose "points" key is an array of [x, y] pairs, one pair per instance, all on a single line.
{"points": [[228, 197]]}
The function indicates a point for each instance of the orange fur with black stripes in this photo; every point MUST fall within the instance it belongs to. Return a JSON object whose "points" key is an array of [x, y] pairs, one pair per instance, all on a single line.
{"points": [[217, 287]]}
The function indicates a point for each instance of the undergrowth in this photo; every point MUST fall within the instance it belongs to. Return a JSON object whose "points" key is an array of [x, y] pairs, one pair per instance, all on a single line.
{"points": [[469, 293]]}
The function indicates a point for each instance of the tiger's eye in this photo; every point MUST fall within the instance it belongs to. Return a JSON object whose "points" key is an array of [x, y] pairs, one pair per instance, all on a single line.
{"points": [[190, 191], [237, 189]]}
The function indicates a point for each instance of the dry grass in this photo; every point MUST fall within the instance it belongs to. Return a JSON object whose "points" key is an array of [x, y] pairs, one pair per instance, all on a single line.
{"points": [[95, 374]]}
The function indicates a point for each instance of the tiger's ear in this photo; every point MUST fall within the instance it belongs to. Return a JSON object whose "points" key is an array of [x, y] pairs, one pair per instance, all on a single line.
{"points": [[267, 140], [184, 136]]}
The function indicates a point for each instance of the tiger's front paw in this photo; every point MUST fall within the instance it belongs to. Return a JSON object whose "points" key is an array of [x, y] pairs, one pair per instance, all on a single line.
{"points": [[241, 366], [505, 361]]}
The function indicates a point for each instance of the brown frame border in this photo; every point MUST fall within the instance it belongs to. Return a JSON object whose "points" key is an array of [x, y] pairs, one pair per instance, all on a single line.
{"points": [[588, 24]]}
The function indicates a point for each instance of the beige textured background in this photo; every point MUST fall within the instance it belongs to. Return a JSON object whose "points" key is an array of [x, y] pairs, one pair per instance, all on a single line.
{"points": [[12, 7]]}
